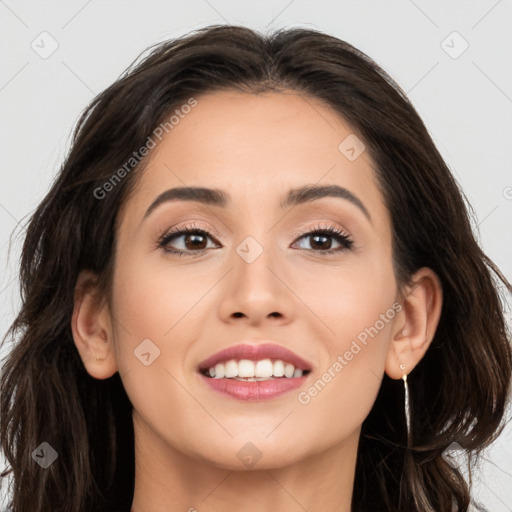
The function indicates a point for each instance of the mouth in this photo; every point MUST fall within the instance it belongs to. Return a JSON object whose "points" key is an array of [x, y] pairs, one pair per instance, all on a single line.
{"points": [[254, 372], [256, 362]]}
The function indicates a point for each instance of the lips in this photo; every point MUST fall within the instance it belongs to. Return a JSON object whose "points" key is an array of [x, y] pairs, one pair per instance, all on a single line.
{"points": [[255, 353], [276, 371]]}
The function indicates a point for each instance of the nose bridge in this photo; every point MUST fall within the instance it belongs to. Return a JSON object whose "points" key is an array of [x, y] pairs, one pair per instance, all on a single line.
{"points": [[252, 260], [254, 290]]}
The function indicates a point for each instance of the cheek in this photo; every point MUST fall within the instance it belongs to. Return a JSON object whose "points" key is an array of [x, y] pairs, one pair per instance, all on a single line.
{"points": [[152, 302], [156, 320], [359, 309], [352, 302]]}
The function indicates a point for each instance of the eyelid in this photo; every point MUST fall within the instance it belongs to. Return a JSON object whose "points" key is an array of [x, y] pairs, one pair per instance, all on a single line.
{"points": [[188, 226], [320, 227]]}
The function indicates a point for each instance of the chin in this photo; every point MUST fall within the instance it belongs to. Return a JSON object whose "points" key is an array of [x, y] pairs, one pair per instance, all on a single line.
{"points": [[260, 454]]}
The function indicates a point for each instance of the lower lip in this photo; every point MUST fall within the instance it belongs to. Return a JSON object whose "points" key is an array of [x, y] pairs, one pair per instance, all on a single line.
{"points": [[254, 391]]}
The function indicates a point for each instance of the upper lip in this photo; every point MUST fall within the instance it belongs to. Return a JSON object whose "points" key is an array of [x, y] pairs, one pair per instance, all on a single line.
{"points": [[255, 353]]}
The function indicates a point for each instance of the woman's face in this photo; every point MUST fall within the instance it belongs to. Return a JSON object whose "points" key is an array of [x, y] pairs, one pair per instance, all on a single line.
{"points": [[256, 278]]}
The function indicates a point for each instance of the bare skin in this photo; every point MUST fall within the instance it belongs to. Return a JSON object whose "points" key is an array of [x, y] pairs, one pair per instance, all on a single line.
{"points": [[190, 440]]}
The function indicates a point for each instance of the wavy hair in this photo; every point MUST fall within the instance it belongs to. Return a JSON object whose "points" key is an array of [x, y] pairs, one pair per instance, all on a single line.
{"points": [[458, 390]]}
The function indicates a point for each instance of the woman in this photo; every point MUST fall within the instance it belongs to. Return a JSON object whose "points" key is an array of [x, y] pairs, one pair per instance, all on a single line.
{"points": [[252, 286]]}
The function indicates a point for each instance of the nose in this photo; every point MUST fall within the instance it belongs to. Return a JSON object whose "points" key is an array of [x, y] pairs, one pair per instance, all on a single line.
{"points": [[256, 291]]}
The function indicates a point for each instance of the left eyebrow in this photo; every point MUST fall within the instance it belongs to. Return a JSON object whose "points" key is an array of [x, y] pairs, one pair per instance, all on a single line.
{"points": [[296, 196], [203, 195]]}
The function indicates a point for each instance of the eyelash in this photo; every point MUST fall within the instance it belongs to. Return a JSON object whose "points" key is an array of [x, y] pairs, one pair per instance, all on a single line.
{"points": [[329, 230]]}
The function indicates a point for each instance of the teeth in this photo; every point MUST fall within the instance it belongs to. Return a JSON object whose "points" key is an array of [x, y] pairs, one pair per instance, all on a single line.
{"points": [[231, 370], [252, 371], [289, 369], [246, 368], [278, 369], [264, 368], [220, 371]]}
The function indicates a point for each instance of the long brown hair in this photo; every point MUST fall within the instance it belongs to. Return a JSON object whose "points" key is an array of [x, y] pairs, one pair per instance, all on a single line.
{"points": [[458, 390]]}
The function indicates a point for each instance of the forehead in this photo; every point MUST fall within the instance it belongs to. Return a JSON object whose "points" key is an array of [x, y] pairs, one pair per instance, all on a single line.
{"points": [[256, 147]]}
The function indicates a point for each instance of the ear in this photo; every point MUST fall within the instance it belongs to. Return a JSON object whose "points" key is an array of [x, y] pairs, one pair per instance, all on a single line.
{"points": [[417, 324], [92, 328]]}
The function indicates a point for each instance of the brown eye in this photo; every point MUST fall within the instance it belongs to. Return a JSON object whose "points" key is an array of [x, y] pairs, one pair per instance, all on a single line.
{"points": [[186, 240], [193, 242], [322, 240]]}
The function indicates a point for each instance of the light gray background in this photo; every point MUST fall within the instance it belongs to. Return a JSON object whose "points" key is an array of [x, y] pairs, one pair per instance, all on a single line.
{"points": [[466, 103]]}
